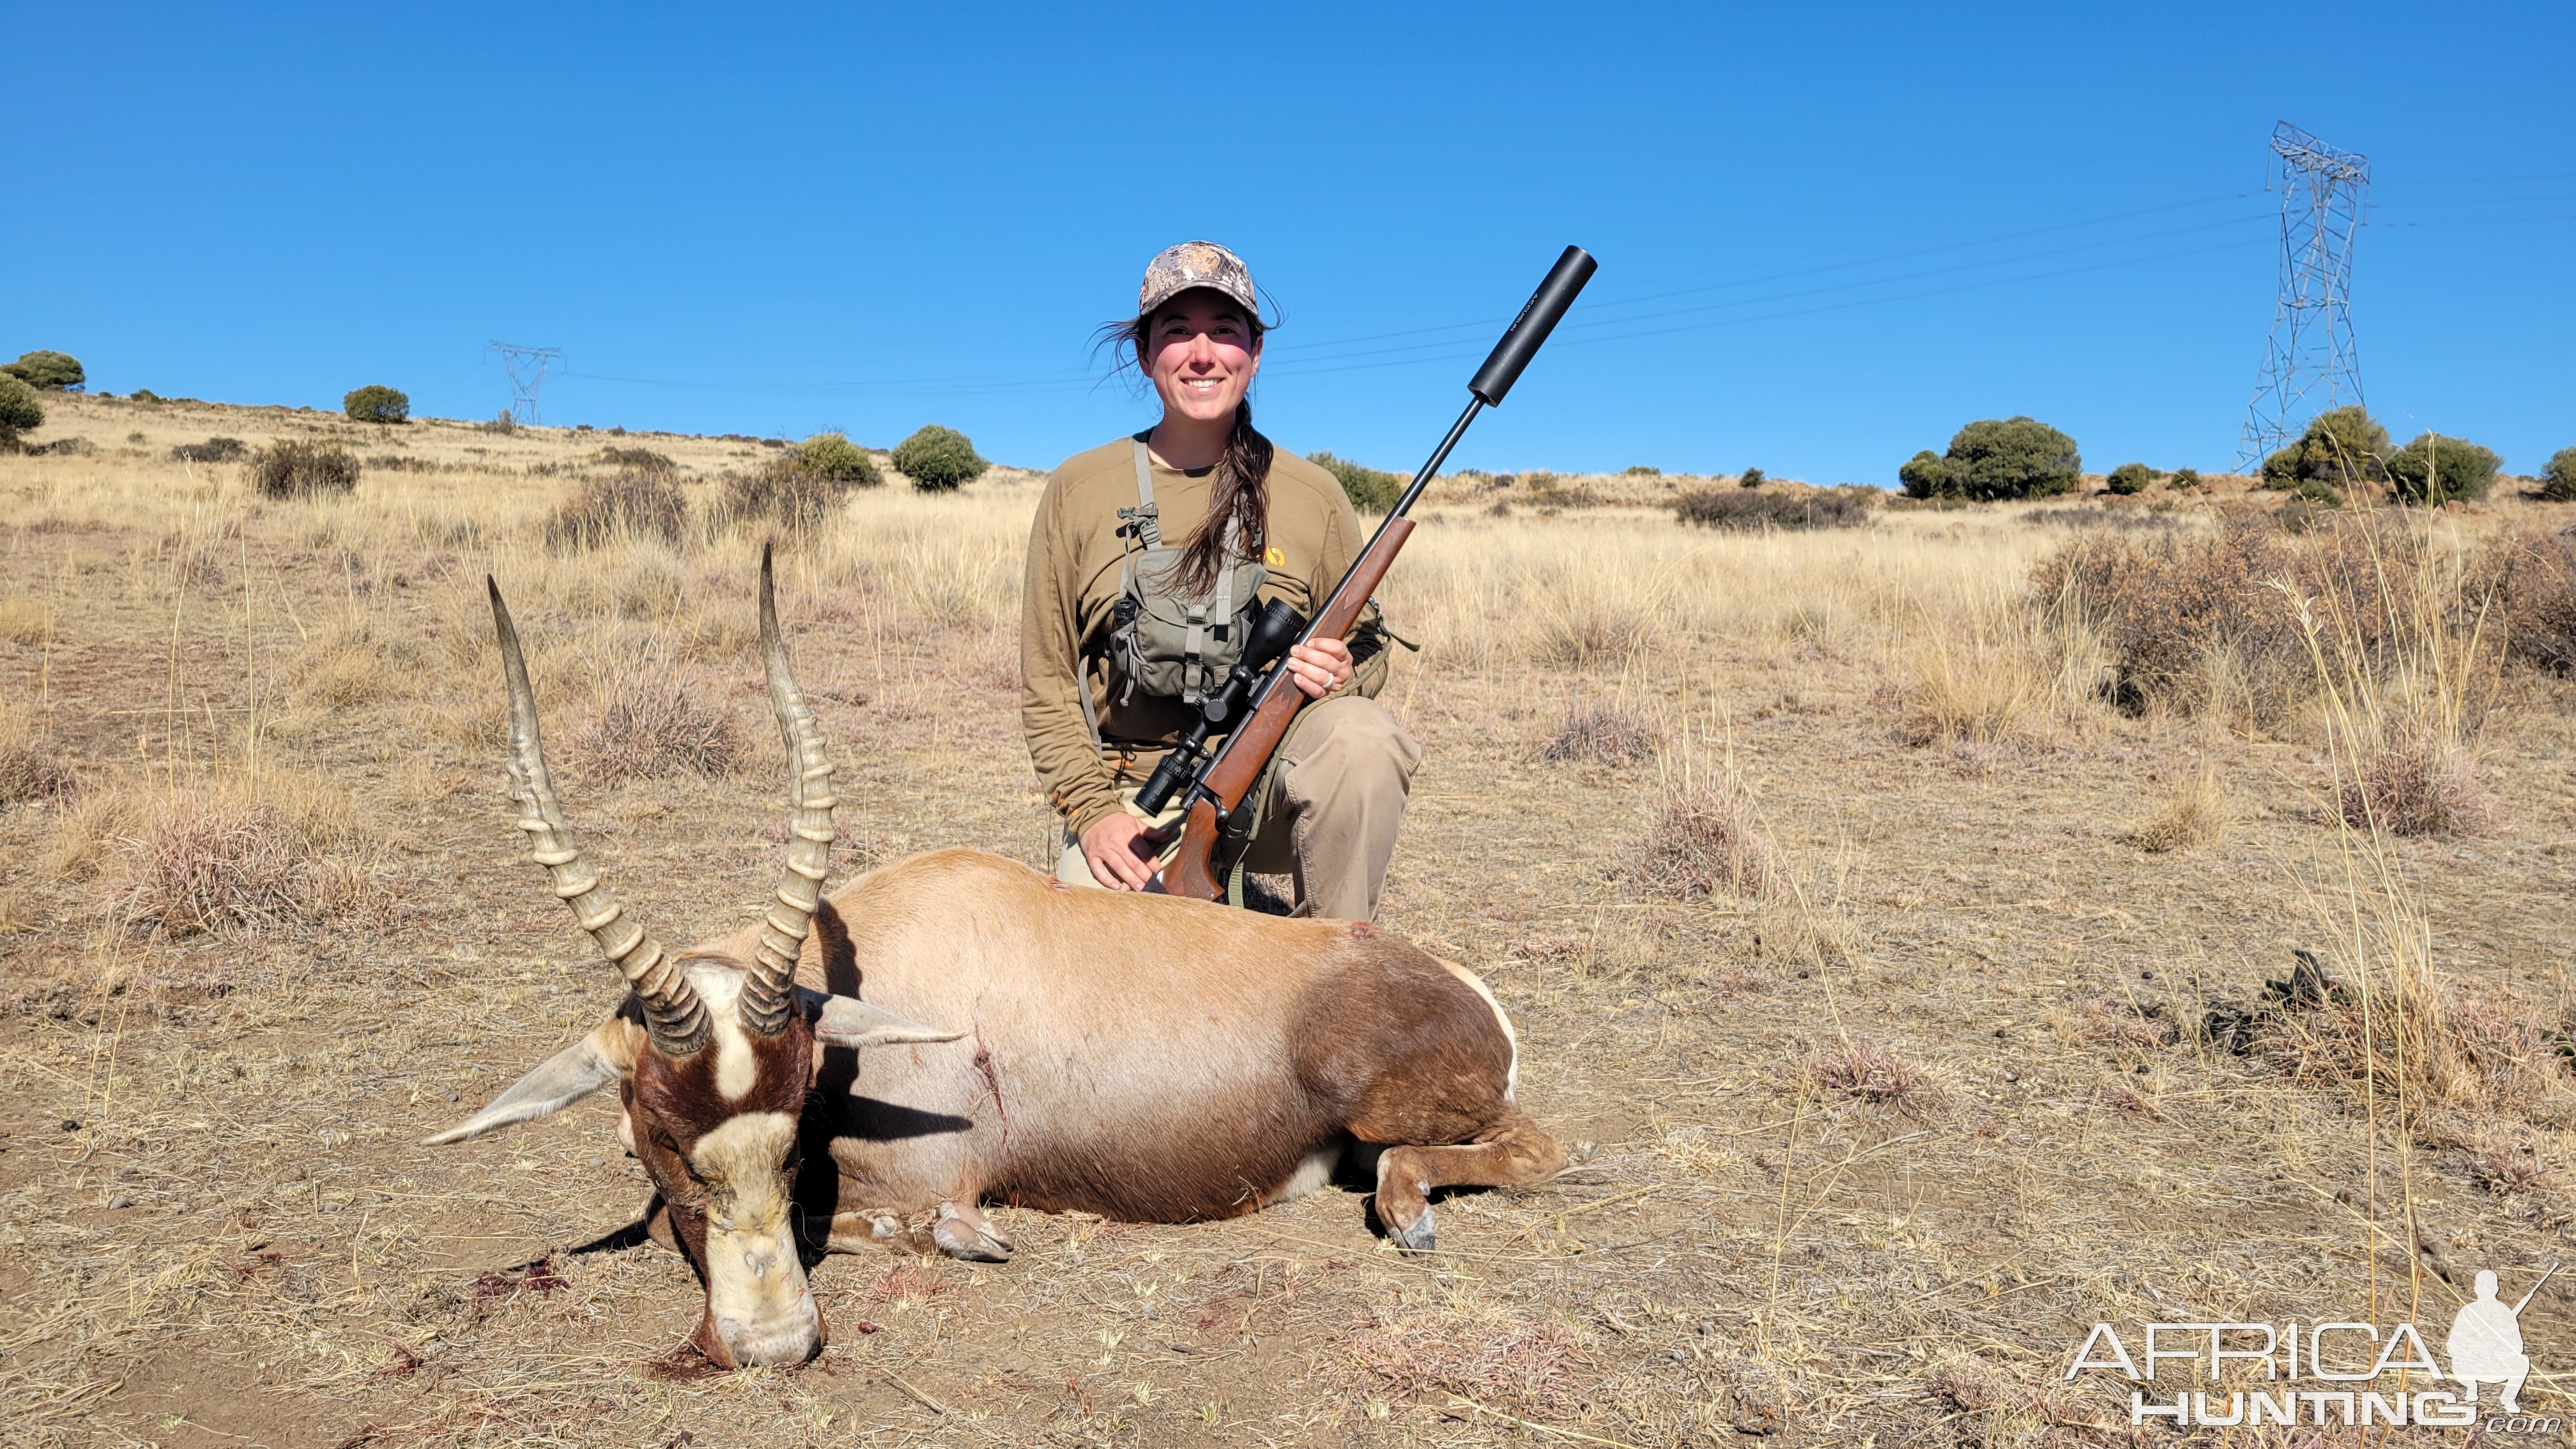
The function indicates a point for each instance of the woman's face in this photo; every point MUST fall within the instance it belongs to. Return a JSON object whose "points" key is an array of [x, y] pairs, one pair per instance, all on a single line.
{"points": [[1202, 355]]}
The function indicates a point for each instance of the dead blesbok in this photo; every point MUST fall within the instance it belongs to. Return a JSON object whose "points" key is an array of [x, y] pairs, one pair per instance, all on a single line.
{"points": [[1142, 1057]]}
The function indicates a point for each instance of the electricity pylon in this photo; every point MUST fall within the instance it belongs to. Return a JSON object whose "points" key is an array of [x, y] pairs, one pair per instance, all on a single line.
{"points": [[2311, 348]]}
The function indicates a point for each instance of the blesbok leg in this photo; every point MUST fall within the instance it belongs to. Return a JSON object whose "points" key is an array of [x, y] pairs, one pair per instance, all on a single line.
{"points": [[1515, 1151]]}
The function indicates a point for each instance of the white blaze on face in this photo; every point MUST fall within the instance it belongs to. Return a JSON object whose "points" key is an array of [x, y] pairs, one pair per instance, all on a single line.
{"points": [[756, 1288], [719, 986]]}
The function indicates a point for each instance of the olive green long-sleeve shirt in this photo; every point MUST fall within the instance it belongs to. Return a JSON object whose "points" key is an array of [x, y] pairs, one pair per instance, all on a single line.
{"points": [[1072, 585]]}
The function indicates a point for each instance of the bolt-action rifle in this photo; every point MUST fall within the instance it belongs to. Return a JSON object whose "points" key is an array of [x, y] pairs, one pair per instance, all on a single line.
{"points": [[1257, 699]]}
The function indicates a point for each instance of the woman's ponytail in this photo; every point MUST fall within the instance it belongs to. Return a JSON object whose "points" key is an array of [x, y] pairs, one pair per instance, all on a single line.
{"points": [[1241, 494]]}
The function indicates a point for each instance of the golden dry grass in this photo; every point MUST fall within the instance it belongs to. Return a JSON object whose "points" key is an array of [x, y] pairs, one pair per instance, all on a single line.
{"points": [[1766, 1236]]}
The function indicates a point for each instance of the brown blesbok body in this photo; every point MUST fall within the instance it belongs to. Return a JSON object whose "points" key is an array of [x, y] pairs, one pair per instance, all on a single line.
{"points": [[1142, 1057]]}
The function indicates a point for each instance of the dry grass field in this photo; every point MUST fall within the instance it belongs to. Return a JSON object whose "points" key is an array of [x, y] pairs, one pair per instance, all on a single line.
{"points": [[1863, 946]]}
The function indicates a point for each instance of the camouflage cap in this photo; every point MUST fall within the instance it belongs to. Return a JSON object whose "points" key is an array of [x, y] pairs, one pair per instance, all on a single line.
{"points": [[1176, 269]]}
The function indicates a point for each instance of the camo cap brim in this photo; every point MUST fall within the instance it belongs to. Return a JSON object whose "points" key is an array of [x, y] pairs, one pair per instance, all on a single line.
{"points": [[1176, 269]]}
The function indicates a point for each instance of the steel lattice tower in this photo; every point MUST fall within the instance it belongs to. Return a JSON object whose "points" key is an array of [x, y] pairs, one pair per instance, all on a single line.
{"points": [[527, 367], [2311, 346]]}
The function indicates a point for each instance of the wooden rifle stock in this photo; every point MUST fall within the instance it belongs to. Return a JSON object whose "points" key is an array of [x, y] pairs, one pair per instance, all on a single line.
{"points": [[1247, 753]]}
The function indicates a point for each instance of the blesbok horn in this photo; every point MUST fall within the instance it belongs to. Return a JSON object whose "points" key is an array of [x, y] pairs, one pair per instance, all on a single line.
{"points": [[769, 989], [673, 1015]]}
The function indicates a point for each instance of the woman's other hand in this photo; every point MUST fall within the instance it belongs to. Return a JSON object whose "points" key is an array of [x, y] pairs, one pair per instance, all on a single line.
{"points": [[1121, 851], [1321, 667]]}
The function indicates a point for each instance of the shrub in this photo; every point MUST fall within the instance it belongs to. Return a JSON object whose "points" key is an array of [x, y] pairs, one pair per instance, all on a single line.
{"points": [[47, 371], [1751, 478], [938, 459], [2184, 478], [1864, 1071], [783, 492], [2434, 469], [625, 505], [1369, 490], [1704, 840], [288, 469], [2195, 619], [1994, 459], [2129, 478], [19, 410], [507, 422], [2532, 577], [1805, 508], [221, 860], [144, 395], [212, 450], [29, 769], [832, 456], [649, 726], [2411, 781], [2341, 449], [1606, 734], [2558, 480], [640, 460], [376, 403], [1641, 470]]}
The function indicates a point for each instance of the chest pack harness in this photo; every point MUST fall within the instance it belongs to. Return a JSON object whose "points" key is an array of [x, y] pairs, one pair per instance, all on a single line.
{"points": [[1164, 641]]}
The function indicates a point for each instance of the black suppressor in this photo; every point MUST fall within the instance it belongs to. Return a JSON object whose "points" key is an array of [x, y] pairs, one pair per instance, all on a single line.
{"points": [[1273, 630]]}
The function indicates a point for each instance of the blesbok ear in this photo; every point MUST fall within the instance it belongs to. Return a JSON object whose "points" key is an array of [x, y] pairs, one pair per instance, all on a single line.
{"points": [[846, 1021], [589, 1064]]}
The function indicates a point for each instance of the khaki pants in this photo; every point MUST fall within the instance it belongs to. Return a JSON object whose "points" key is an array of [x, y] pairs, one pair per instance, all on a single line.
{"points": [[1334, 805]]}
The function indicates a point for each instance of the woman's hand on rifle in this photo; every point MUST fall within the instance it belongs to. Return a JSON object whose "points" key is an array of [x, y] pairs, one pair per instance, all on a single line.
{"points": [[1321, 667], [1121, 851]]}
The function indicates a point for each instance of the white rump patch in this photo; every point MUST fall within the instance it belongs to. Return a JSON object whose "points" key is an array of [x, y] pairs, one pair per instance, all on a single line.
{"points": [[1511, 1076], [1310, 1175]]}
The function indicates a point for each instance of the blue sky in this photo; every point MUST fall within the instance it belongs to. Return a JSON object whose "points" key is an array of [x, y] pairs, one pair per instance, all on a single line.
{"points": [[1827, 238]]}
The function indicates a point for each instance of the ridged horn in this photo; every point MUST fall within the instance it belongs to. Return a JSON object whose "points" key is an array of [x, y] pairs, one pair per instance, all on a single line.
{"points": [[673, 1015], [769, 992]]}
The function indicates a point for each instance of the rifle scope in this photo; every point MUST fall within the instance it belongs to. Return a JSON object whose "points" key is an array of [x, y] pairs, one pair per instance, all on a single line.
{"points": [[1273, 630]]}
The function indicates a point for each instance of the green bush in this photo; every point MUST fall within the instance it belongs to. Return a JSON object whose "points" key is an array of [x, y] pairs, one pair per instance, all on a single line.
{"points": [[2558, 480], [830, 455], [1997, 458], [2341, 449], [1369, 490], [1846, 507], [1751, 478], [938, 459], [2435, 469], [2129, 478], [376, 403], [2184, 478], [47, 371], [288, 469], [19, 410], [1641, 470]]}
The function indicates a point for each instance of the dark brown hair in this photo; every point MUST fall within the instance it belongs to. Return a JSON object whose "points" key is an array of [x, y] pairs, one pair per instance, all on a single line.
{"points": [[1242, 486]]}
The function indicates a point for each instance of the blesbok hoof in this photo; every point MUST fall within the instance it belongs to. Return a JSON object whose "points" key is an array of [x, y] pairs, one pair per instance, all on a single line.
{"points": [[962, 1233], [1417, 1237]]}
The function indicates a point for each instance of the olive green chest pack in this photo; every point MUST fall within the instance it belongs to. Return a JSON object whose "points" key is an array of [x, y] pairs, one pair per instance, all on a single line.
{"points": [[1163, 640]]}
